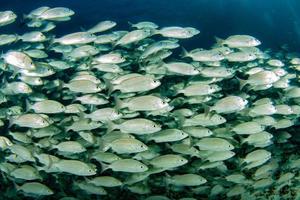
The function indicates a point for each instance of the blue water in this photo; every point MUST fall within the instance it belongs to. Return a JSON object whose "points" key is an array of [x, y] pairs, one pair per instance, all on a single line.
{"points": [[274, 22]]}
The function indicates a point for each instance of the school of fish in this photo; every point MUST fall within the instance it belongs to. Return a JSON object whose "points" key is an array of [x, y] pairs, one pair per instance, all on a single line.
{"points": [[131, 114]]}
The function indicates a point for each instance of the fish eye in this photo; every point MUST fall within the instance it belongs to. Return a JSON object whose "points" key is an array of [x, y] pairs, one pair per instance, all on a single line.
{"points": [[182, 160], [142, 166]]}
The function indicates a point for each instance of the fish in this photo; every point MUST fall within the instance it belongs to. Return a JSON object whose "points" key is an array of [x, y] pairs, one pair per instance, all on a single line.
{"points": [[260, 139], [181, 68], [110, 58], [7, 39], [159, 46], [203, 120], [214, 144], [261, 78], [76, 38], [104, 115], [32, 120], [26, 172], [7, 17], [197, 131], [47, 107], [34, 36], [133, 37], [136, 84], [105, 181], [178, 32], [69, 147], [90, 188], [144, 25], [201, 55], [248, 128], [186, 180], [168, 135], [199, 90], [229, 104], [22, 152], [215, 156], [83, 86], [19, 60], [240, 57], [127, 146], [168, 161], [35, 189], [257, 155], [54, 13], [143, 103], [238, 41], [102, 26], [139, 126], [17, 87], [126, 165], [74, 167]]}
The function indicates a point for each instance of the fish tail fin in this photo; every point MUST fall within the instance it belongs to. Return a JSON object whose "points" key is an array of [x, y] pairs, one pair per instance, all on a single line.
{"points": [[25, 17], [179, 91], [184, 53], [115, 44], [28, 105], [18, 38], [86, 179], [242, 82], [130, 23], [11, 121], [55, 40], [219, 41], [62, 84], [110, 127], [119, 104], [104, 167], [168, 145], [243, 140], [241, 163], [181, 120], [83, 29], [167, 178], [207, 109], [155, 32], [83, 115], [16, 186], [103, 146], [110, 86]]}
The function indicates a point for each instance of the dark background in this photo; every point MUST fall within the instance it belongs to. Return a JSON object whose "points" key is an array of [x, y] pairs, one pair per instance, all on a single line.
{"points": [[274, 22]]}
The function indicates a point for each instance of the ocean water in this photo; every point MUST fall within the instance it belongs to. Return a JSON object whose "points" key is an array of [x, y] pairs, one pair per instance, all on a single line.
{"points": [[275, 23]]}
